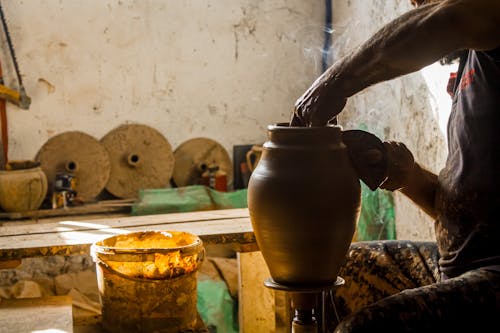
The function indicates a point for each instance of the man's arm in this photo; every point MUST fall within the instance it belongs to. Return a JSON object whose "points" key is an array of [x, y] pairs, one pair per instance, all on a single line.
{"points": [[407, 44], [407, 176], [421, 189], [421, 37]]}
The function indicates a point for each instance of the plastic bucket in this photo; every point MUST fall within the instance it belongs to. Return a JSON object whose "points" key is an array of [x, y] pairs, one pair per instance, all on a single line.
{"points": [[147, 281]]}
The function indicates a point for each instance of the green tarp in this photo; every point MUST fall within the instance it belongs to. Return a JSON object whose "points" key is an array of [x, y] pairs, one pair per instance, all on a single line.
{"points": [[376, 221], [216, 307], [187, 199]]}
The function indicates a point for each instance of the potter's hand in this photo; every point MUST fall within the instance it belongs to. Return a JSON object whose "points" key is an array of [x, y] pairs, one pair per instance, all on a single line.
{"points": [[320, 103], [400, 166], [367, 155]]}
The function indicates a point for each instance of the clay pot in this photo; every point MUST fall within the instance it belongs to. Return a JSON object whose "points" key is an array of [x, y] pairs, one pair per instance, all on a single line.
{"points": [[22, 190], [304, 200]]}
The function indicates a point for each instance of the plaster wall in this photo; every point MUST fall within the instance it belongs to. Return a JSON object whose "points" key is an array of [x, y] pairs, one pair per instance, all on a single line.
{"points": [[219, 69]]}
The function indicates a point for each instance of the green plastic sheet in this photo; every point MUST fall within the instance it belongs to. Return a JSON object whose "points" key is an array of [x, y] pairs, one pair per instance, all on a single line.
{"points": [[376, 221], [187, 199], [216, 306]]}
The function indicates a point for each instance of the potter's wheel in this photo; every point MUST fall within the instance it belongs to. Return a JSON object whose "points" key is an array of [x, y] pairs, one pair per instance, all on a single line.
{"points": [[194, 156], [270, 283], [80, 154], [304, 303], [141, 158]]}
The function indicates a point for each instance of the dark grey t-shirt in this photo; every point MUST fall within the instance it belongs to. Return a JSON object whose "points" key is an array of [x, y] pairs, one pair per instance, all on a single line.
{"points": [[468, 197]]}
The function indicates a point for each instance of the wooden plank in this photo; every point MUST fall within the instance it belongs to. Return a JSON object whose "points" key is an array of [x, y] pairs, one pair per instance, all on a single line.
{"points": [[283, 311], [68, 211], [274, 311], [92, 324], [52, 219], [52, 313], [20, 228], [10, 264], [68, 241], [252, 273]]}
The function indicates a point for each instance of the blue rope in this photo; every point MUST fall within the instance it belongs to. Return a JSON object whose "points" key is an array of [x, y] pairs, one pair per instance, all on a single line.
{"points": [[325, 63]]}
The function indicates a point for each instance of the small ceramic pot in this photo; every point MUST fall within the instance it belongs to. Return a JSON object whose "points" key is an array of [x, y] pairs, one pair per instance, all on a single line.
{"points": [[22, 190]]}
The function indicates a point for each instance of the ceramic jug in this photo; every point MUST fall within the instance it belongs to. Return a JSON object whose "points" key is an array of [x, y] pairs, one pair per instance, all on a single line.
{"points": [[253, 157], [304, 201]]}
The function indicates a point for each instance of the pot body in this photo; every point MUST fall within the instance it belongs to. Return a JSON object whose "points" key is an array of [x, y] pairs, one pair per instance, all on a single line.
{"points": [[22, 190], [304, 201]]}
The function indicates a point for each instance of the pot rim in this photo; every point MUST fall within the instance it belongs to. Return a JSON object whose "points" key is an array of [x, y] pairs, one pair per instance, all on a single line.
{"points": [[286, 127]]}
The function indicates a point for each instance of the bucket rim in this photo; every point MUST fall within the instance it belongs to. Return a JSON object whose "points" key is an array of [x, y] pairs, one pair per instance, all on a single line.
{"points": [[99, 247]]}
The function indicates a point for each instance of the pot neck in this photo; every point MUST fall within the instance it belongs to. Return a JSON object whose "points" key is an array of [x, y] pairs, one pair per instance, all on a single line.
{"points": [[283, 134]]}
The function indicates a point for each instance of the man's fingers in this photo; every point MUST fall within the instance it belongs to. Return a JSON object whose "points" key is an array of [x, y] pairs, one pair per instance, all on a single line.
{"points": [[319, 120], [296, 121], [297, 118]]}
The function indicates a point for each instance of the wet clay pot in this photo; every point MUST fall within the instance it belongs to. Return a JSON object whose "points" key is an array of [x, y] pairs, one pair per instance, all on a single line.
{"points": [[22, 190], [304, 200]]}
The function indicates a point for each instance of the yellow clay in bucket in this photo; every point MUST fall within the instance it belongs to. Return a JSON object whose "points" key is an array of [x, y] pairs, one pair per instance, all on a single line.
{"points": [[147, 281]]}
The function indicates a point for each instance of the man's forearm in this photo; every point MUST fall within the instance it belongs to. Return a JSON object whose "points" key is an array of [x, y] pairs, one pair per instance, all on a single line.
{"points": [[417, 39], [421, 189]]}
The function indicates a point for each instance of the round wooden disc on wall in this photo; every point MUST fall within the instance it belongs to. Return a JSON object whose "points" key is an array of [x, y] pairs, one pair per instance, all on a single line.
{"points": [[141, 158], [80, 154], [195, 155]]}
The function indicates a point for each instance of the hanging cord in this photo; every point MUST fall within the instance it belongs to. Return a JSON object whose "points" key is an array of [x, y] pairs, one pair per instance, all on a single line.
{"points": [[327, 35], [11, 47], [22, 100], [3, 128]]}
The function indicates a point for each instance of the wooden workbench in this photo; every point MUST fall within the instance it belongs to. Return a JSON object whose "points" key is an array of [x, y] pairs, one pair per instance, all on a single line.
{"points": [[75, 235], [67, 236]]}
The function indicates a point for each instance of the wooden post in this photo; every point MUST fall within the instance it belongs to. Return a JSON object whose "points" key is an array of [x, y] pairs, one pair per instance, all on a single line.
{"points": [[261, 310]]}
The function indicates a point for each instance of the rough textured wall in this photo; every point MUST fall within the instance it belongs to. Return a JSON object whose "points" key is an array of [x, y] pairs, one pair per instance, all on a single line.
{"points": [[219, 69], [411, 109]]}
